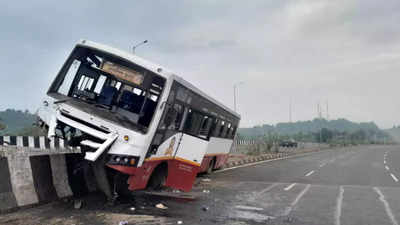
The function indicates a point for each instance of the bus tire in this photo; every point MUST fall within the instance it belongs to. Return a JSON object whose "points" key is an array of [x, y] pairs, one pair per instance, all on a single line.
{"points": [[121, 185], [158, 177], [211, 166]]}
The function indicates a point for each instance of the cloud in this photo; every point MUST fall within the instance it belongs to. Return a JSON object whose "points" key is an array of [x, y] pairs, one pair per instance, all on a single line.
{"points": [[309, 51]]}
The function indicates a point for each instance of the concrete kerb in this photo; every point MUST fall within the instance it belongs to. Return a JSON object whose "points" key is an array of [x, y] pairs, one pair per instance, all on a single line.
{"points": [[32, 176], [269, 157]]}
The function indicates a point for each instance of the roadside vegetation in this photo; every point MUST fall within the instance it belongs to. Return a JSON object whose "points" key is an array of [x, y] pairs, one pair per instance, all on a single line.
{"points": [[18, 122], [2, 126], [339, 132]]}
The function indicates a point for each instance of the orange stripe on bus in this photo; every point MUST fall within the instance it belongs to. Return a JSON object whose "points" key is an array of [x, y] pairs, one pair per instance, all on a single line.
{"points": [[170, 157], [216, 154], [187, 161], [159, 158]]}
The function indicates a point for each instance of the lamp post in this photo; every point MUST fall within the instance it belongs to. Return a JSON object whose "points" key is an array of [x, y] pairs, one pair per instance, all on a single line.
{"points": [[135, 46], [234, 93]]}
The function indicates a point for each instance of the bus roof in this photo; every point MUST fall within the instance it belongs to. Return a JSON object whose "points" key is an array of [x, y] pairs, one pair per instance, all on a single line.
{"points": [[160, 70]]}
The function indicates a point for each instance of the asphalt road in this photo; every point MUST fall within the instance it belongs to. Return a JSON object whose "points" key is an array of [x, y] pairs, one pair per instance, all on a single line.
{"points": [[357, 185]]}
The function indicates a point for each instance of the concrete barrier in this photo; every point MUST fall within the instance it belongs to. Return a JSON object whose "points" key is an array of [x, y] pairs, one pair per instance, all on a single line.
{"points": [[7, 197], [33, 170]]}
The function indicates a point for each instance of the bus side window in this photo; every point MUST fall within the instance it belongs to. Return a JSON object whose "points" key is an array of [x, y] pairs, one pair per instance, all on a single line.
{"points": [[228, 131], [233, 130], [216, 128], [173, 117], [222, 129], [205, 127], [193, 122]]}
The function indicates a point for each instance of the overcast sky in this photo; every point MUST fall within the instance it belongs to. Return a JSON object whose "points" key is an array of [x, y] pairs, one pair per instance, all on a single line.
{"points": [[344, 52]]}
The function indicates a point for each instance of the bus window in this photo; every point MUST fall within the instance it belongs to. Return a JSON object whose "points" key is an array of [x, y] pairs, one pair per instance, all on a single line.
{"points": [[222, 129], [69, 78], [103, 81], [172, 118], [205, 127], [85, 83], [193, 122], [228, 130], [100, 83], [216, 128], [233, 130]]}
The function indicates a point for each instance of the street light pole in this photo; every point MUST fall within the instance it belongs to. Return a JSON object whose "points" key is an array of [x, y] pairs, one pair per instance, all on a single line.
{"points": [[234, 93], [135, 46]]}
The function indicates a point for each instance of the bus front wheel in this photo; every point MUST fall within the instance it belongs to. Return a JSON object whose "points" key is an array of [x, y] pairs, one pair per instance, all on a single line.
{"points": [[158, 177]]}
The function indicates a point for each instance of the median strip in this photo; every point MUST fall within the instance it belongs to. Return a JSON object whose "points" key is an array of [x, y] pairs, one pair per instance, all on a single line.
{"points": [[255, 160]]}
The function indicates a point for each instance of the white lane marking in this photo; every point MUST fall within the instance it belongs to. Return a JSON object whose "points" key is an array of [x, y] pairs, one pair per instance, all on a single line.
{"points": [[310, 173], [289, 209], [339, 201], [384, 161], [394, 177], [387, 206], [260, 218], [244, 207], [323, 164], [289, 187], [386, 167], [267, 189]]}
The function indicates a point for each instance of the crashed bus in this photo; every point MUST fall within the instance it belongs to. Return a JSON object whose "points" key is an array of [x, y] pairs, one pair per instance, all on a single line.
{"points": [[136, 120]]}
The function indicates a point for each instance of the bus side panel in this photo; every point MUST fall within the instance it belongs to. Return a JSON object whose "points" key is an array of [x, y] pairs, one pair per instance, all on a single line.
{"points": [[191, 148], [139, 176], [219, 147], [182, 170], [181, 174]]}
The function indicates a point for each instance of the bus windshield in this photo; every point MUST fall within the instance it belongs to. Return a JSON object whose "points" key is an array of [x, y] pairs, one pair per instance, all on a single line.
{"points": [[110, 87]]}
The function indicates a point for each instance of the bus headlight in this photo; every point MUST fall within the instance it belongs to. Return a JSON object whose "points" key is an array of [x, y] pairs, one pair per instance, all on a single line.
{"points": [[122, 160]]}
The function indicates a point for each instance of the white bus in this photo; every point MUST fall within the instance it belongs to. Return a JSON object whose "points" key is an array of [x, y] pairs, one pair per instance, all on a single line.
{"points": [[136, 119]]}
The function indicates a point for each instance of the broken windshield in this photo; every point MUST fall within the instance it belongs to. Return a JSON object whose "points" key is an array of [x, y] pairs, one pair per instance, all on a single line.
{"points": [[114, 88]]}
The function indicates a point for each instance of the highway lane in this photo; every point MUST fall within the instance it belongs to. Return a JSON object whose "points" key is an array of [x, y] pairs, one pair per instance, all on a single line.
{"points": [[354, 185], [346, 186]]}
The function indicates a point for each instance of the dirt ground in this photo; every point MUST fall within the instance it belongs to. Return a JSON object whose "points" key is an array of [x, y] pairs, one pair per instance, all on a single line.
{"points": [[140, 208]]}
